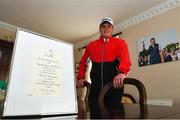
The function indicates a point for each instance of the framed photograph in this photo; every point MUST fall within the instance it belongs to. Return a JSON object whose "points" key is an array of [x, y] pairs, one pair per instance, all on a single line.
{"points": [[158, 48]]}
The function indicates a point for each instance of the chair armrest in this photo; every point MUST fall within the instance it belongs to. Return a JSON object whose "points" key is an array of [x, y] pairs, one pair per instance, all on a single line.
{"points": [[87, 85]]}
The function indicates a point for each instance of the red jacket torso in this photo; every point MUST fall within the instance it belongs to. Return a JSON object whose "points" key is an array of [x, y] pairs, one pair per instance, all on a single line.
{"points": [[112, 48]]}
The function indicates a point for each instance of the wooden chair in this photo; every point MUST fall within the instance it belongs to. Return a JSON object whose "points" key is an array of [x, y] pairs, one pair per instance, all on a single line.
{"points": [[87, 85], [128, 81], [142, 96], [83, 104]]}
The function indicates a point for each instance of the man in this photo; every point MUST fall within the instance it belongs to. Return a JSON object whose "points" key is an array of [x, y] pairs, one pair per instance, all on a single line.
{"points": [[155, 54], [110, 62]]}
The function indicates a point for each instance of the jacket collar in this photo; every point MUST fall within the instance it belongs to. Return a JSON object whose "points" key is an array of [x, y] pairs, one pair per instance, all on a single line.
{"points": [[105, 39]]}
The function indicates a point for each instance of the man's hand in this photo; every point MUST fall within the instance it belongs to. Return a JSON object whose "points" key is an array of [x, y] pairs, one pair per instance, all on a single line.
{"points": [[80, 83], [118, 80]]}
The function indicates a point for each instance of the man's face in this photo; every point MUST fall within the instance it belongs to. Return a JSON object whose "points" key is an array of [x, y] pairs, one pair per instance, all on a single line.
{"points": [[106, 29], [153, 42]]}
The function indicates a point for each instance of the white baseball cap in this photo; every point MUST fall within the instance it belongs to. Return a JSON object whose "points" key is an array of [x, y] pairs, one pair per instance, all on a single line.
{"points": [[107, 19]]}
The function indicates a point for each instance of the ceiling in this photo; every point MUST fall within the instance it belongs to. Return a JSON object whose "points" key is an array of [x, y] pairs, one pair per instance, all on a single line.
{"points": [[69, 20]]}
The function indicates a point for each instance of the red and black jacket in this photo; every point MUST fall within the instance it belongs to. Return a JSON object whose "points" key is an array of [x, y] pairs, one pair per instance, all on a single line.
{"points": [[112, 54]]}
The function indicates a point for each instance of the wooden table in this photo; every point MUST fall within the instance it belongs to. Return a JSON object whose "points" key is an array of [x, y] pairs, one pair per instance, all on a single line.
{"points": [[128, 111], [119, 111]]}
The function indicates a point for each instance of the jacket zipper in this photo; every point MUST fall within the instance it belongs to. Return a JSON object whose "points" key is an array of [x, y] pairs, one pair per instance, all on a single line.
{"points": [[102, 65]]}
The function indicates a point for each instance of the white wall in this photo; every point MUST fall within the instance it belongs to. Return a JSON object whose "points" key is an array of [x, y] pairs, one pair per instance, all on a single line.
{"points": [[162, 81]]}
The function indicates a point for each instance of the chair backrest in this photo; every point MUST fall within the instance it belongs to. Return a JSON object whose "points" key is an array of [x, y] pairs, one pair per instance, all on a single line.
{"points": [[131, 81]]}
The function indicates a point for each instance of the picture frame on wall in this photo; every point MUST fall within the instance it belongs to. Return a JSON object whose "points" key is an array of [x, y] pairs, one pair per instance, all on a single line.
{"points": [[158, 48]]}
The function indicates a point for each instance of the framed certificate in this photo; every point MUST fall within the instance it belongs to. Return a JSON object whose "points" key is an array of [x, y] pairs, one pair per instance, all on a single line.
{"points": [[42, 79]]}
